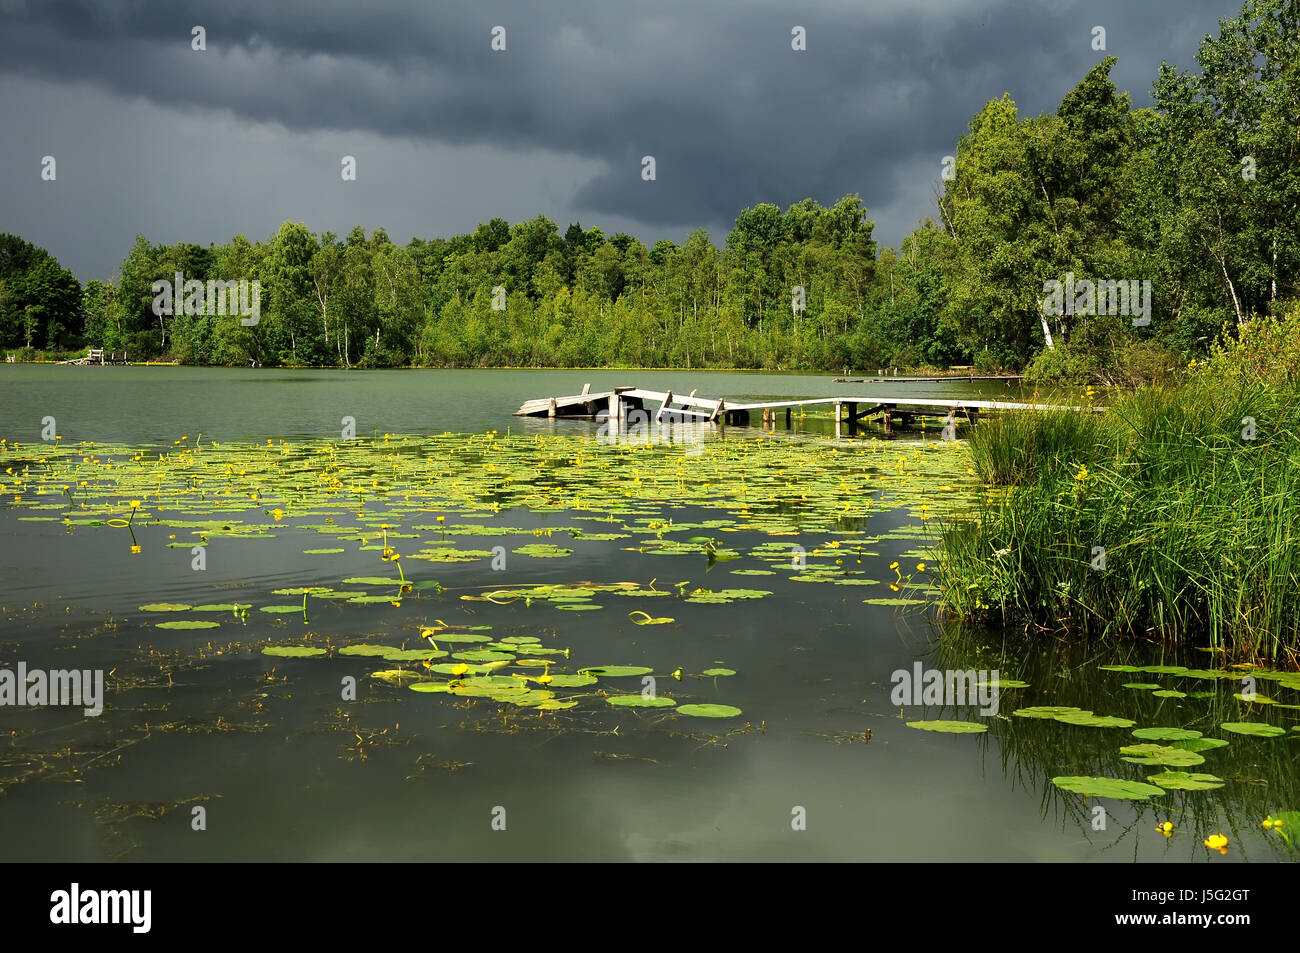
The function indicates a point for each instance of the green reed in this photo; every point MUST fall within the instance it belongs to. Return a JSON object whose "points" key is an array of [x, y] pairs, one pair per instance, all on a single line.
{"points": [[1191, 491]]}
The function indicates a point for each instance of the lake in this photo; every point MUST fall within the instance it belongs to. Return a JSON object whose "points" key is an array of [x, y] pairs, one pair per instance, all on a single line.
{"points": [[530, 551]]}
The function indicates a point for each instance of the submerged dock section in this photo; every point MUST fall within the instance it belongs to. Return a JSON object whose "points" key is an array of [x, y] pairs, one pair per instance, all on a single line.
{"points": [[627, 406]]}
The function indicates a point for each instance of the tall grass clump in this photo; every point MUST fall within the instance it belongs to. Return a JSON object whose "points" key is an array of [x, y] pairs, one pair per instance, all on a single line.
{"points": [[1175, 514]]}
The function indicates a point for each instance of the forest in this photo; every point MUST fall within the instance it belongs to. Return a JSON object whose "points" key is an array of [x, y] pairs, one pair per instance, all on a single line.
{"points": [[1198, 195]]}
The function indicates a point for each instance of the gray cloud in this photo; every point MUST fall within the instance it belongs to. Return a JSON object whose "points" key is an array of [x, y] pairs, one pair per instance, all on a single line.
{"points": [[152, 137]]}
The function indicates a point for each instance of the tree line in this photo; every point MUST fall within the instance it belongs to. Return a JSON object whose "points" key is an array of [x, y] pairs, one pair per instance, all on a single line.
{"points": [[1198, 194]]}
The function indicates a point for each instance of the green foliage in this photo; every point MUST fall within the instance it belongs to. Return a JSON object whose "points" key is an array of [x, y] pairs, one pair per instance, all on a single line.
{"points": [[1190, 489]]}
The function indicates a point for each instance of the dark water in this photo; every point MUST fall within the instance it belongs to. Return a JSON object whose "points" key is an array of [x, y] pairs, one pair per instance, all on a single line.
{"points": [[286, 769]]}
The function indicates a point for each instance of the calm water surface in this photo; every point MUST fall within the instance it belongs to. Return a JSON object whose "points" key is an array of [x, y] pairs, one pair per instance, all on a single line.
{"points": [[269, 749]]}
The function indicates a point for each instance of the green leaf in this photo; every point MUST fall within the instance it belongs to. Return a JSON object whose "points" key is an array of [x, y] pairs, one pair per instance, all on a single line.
{"points": [[1166, 734], [640, 701], [1116, 788], [708, 711], [1183, 781], [293, 651], [1160, 754], [1089, 720], [1254, 728], [949, 727], [617, 671], [1045, 711]]}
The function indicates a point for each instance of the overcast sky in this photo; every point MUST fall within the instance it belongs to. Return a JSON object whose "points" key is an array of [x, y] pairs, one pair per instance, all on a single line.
{"points": [[152, 137]]}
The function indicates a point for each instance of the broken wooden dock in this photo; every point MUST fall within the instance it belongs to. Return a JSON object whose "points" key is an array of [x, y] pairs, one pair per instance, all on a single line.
{"points": [[627, 406]]}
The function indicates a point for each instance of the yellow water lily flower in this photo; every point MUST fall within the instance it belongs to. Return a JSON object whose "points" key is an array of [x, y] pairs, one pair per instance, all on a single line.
{"points": [[1167, 828], [1217, 842], [460, 669]]}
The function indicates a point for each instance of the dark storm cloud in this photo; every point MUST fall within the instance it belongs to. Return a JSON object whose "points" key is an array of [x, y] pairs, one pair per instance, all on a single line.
{"points": [[713, 91]]}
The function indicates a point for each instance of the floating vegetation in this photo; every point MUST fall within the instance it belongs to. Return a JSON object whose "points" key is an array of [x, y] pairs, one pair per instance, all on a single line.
{"points": [[542, 551], [1045, 711], [1183, 781], [708, 711], [616, 671], [641, 701], [949, 727], [293, 651], [1116, 788], [1088, 720], [724, 596], [1253, 728], [1166, 734], [1151, 753]]}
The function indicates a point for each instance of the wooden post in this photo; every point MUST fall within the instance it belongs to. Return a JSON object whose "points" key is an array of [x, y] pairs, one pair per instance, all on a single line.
{"points": [[550, 407], [838, 420], [787, 418], [887, 418], [615, 411], [586, 389], [717, 409], [668, 399]]}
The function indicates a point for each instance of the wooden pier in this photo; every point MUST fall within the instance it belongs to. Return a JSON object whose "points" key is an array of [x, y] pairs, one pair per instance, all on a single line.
{"points": [[624, 406]]}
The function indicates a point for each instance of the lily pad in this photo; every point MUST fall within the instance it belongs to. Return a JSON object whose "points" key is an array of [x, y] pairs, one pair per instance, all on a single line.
{"points": [[1160, 754], [708, 711], [166, 607], [1166, 734], [572, 681], [617, 671], [293, 651], [1089, 720], [718, 671], [188, 624], [1045, 711], [949, 727], [640, 701], [1185, 781], [1254, 728], [1117, 788]]}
